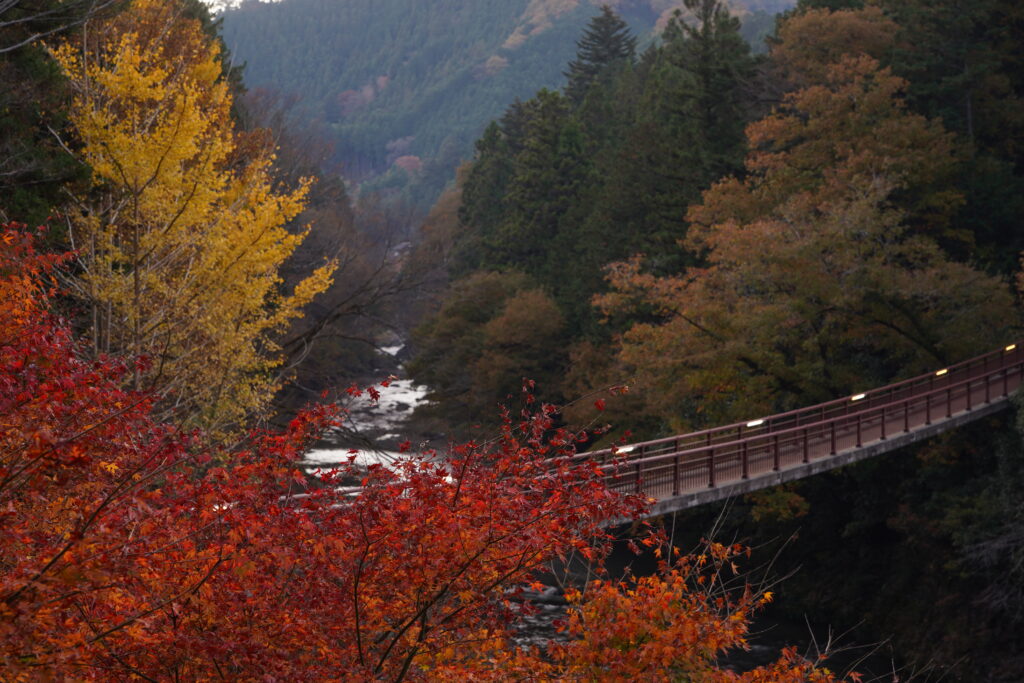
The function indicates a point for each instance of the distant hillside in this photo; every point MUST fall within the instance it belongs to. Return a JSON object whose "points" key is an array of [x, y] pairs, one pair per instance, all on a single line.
{"points": [[406, 86]]}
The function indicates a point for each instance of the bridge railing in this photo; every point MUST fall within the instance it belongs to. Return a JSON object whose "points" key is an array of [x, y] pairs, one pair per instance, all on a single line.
{"points": [[669, 466]]}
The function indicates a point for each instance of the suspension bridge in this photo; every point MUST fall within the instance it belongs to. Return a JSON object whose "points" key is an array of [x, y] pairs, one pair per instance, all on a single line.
{"points": [[680, 472]]}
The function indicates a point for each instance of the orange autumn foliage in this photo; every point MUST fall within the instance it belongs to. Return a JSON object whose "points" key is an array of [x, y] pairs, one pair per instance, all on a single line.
{"points": [[814, 39], [674, 626], [131, 551], [828, 251]]}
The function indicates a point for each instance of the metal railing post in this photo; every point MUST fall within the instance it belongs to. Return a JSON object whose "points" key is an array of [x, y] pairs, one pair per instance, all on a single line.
{"points": [[928, 408], [711, 469], [637, 484], [883, 423], [858, 430], [777, 454], [833, 424], [906, 416], [949, 402], [807, 456], [969, 404], [745, 460], [676, 484]]}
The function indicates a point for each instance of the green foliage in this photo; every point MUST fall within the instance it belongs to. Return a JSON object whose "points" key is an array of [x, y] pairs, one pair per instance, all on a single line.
{"points": [[563, 185], [33, 166], [492, 331], [687, 132], [964, 67], [397, 78], [606, 45]]}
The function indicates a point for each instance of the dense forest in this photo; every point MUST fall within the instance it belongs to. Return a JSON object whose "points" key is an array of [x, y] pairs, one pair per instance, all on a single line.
{"points": [[403, 88], [671, 164], [668, 228], [730, 235]]}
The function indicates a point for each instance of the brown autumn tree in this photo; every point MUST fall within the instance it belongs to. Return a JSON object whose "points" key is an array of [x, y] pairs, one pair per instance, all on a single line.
{"points": [[810, 42], [492, 331], [824, 271]]}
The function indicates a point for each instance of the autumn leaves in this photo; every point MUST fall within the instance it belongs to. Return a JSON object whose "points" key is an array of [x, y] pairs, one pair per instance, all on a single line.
{"points": [[130, 551], [833, 247], [134, 549], [182, 236]]}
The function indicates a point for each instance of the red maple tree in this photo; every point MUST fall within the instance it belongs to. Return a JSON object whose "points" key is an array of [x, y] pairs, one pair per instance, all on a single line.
{"points": [[131, 551]]}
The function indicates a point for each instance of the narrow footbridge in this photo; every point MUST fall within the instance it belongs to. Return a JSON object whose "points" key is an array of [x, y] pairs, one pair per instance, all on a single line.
{"points": [[684, 471]]}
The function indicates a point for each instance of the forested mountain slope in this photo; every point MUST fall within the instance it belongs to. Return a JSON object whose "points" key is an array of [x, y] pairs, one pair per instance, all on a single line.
{"points": [[405, 86], [686, 236]]}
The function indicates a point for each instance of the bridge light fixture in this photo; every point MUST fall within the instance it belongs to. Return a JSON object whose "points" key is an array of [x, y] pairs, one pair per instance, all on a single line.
{"points": [[626, 449], [858, 397], [940, 373], [755, 423], [1011, 347]]}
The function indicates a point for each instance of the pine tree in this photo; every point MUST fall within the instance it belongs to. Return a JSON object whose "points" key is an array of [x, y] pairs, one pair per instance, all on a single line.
{"points": [[606, 43], [484, 195], [687, 132], [717, 56], [550, 173], [964, 66]]}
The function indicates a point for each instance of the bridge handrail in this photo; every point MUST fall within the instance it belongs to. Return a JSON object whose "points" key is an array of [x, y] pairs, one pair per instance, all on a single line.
{"points": [[844, 420], [1008, 356]]}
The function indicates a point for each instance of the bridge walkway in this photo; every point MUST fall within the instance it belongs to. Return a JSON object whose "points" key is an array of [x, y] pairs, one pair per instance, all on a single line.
{"points": [[693, 469]]}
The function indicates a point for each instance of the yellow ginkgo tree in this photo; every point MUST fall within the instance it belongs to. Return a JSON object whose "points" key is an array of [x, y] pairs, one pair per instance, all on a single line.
{"points": [[181, 239]]}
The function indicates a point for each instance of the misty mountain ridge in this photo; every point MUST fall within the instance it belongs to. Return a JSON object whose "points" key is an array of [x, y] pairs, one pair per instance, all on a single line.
{"points": [[402, 88]]}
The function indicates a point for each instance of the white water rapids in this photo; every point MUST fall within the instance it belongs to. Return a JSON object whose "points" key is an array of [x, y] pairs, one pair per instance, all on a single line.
{"points": [[382, 422]]}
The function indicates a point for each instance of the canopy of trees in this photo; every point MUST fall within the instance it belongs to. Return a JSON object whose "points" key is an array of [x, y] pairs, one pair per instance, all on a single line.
{"points": [[564, 185], [754, 234], [131, 551], [722, 233], [827, 254]]}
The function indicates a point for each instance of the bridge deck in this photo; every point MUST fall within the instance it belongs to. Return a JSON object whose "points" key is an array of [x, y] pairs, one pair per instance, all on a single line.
{"points": [[693, 469]]}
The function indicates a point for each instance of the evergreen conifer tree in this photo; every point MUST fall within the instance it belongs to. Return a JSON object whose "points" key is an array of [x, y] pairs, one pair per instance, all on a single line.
{"points": [[606, 42], [691, 109], [714, 53]]}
